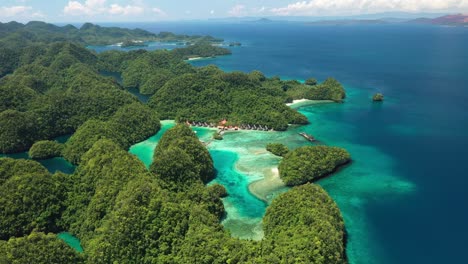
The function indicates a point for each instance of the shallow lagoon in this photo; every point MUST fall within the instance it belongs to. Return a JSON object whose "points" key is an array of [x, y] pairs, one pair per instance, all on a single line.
{"points": [[249, 172]]}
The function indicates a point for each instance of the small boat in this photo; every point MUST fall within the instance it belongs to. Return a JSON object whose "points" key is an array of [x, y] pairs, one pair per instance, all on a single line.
{"points": [[308, 137]]}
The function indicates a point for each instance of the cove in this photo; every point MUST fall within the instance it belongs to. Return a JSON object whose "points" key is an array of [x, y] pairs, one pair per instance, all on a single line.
{"points": [[71, 240], [249, 172], [244, 210], [53, 165]]}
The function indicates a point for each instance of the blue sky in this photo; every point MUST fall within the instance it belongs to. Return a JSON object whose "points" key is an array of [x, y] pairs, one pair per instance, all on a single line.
{"points": [[157, 10]]}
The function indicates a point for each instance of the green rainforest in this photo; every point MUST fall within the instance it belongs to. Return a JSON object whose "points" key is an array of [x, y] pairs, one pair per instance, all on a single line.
{"points": [[52, 85]]}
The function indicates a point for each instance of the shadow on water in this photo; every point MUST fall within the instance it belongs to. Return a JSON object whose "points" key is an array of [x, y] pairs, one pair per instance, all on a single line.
{"points": [[118, 78], [53, 165]]}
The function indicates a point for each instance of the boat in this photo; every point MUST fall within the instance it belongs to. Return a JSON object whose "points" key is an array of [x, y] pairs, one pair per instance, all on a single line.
{"points": [[308, 137]]}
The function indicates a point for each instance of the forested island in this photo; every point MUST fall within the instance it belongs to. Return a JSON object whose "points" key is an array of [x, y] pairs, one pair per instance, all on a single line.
{"points": [[307, 164], [52, 85]]}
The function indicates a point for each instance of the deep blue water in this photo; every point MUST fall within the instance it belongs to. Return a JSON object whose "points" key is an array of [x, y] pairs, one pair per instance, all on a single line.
{"points": [[422, 126]]}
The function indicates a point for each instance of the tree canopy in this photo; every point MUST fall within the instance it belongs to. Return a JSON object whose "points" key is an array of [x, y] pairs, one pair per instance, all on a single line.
{"points": [[45, 149], [129, 125], [310, 163], [304, 225], [103, 173], [277, 149], [51, 85], [32, 198], [209, 95], [38, 248], [183, 140], [330, 89], [54, 85]]}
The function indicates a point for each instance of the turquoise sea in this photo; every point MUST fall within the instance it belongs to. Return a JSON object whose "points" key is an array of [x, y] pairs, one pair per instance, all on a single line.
{"points": [[404, 197]]}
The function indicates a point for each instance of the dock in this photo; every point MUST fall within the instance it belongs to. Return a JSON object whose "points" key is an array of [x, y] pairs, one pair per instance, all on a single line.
{"points": [[308, 137]]}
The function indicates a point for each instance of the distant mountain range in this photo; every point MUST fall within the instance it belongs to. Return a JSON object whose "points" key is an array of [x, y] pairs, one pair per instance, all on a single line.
{"points": [[367, 19], [449, 20], [404, 16]]}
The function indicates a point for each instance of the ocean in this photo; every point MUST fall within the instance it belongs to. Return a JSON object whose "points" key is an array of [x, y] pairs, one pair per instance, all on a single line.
{"points": [[404, 197]]}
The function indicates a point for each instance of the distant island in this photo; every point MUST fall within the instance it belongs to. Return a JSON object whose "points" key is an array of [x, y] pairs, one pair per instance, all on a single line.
{"points": [[378, 97], [349, 22], [447, 20], [19, 35]]}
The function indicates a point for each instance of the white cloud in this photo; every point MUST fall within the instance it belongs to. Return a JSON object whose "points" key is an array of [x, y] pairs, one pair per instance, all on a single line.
{"points": [[341, 7], [20, 13], [237, 11], [125, 10], [14, 11], [159, 12], [90, 7], [100, 7]]}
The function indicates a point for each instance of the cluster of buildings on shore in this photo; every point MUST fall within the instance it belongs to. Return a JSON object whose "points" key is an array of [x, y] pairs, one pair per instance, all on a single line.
{"points": [[222, 125]]}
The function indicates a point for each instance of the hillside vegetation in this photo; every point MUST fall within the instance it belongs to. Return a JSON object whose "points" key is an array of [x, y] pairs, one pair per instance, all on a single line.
{"points": [[121, 211]]}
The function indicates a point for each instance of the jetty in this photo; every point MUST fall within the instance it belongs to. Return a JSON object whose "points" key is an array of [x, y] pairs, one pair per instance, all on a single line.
{"points": [[308, 137]]}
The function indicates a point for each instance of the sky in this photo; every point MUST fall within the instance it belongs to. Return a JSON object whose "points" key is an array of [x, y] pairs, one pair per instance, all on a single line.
{"points": [[160, 10]]}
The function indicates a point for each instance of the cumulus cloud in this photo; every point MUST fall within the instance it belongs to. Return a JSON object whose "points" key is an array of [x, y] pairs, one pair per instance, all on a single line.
{"points": [[90, 7], [100, 7], [342, 7], [125, 10], [14, 10], [19, 12], [237, 11]]}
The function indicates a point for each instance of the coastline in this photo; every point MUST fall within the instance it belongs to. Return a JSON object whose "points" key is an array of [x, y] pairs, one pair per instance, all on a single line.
{"points": [[306, 102], [195, 58], [265, 188]]}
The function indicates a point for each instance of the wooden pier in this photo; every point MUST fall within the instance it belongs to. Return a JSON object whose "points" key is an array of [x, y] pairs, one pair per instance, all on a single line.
{"points": [[308, 137]]}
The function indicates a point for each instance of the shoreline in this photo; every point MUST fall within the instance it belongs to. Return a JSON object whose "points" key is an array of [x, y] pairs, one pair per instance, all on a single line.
{"points": [[195, 58], [264, 188], [305, 102]]}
